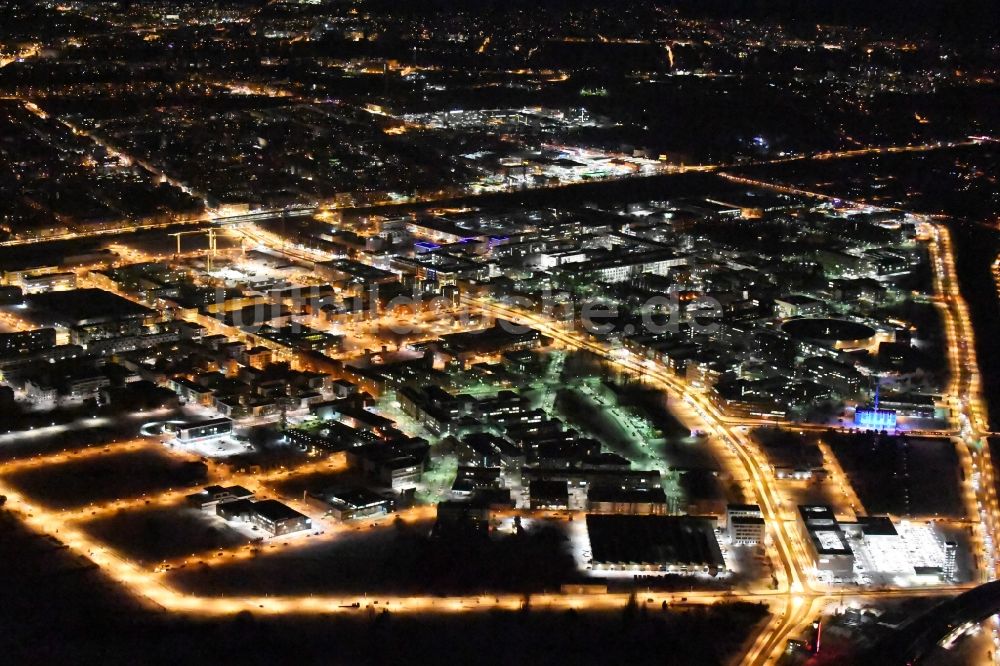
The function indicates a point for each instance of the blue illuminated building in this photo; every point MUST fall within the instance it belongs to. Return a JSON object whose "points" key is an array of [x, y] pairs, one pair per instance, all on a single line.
{"points": [[873, 418]]}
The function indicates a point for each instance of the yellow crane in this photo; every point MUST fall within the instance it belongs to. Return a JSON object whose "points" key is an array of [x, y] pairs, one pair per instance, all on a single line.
{"points": [[212, 243]]}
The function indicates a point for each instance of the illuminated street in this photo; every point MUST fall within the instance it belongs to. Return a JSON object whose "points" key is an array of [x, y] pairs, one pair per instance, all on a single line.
{"points": [[379, 332]]}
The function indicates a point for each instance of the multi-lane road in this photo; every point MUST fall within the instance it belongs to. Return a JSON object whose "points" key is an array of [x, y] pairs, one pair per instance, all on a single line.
{"points": [[798, 597], [222, 218], [802, 595]]}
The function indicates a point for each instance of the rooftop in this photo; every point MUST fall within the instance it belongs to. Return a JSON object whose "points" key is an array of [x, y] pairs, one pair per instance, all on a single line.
{"points": [[665, 540], [85, 306], [275, 511]]}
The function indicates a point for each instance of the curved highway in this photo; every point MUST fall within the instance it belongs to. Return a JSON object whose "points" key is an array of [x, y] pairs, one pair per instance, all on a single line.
{"points": [[915, 640]]}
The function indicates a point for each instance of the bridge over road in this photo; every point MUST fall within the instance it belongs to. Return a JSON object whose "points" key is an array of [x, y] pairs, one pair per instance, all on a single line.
{"points": [[916, 639]]}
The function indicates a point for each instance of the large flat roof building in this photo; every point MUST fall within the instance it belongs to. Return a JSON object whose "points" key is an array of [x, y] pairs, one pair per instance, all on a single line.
{"points": [[825, 540], [85, 307], [277, 519], [669, 544], [206, 429]]}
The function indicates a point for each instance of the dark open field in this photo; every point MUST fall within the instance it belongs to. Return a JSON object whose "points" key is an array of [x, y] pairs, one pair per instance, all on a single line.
{"points": [[164, 533], [904, 476], [397, 558], [107, 477]]}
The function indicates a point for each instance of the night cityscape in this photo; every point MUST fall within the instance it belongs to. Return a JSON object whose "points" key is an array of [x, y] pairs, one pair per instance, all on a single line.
{"points": [[562, 332]]}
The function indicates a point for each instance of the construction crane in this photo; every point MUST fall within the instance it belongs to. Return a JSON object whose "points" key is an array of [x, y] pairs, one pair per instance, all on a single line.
{"points": [[212, 246]]}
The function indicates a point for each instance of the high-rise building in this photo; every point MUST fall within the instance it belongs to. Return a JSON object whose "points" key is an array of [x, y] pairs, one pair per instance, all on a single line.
{"points": [[950, 566]]}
